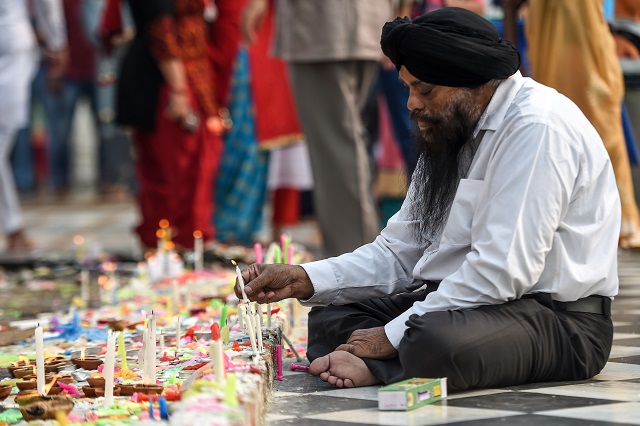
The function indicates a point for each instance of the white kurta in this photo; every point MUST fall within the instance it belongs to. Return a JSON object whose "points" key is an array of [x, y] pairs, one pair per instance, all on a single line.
{"points": [[539, 211]]}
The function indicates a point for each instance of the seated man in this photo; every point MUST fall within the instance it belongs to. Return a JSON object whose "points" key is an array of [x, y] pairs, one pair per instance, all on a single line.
{"points": [[500, 267]]}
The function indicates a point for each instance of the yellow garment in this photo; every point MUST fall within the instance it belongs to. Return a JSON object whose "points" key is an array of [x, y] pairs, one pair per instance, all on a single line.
{"points": [[572, 50]]}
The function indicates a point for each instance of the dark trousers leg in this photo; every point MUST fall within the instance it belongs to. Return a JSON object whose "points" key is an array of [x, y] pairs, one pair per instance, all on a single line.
{"points": [[491, 346]]}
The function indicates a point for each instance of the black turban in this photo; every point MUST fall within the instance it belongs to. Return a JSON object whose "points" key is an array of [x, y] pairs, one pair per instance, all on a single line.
{"points": [[450, 47]]}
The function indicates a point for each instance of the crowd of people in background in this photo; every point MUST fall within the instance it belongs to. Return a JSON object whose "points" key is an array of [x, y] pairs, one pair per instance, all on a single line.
{"points": [[206, 111]]}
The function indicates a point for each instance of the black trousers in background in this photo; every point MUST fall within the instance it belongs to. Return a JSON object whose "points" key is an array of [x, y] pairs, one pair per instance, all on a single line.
{"points": [[491, 346]]}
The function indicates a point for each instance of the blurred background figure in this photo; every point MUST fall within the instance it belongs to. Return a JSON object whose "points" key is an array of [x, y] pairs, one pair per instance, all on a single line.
{"points": [[332, 48], [115, 160], [167, 92], [571, 49], [18, 62], [264, 153], [61, 96]]}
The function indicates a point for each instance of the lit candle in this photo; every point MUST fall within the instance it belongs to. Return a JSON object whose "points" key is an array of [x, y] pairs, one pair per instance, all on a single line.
{"points": [[122, 351], [108, 369], [240, 282], [215, 353], [161, 338], [39, 360], [257, 249], [197, 251]]}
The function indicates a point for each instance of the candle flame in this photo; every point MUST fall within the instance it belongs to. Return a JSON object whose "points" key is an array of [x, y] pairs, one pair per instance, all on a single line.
{"points": [[197, 234], [234, 262], [48, 386], [34, 371], [78, 240], [160, 233], [82, 351], [164, 223], [24, 359]]}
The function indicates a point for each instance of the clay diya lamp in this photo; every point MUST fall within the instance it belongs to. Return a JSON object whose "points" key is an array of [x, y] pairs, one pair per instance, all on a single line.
{"points": [[5, 391], [19, 364], [21, 372], [54, 367], [45, 407], [89, 392], [96, 382], [67, 379], [88, 363], [47, 377], [100, 391], [149, 389], [27, 384], [127, 390]]}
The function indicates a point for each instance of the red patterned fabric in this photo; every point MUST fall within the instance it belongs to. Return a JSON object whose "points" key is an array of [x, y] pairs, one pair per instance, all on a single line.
{"points": [[185, 36]]}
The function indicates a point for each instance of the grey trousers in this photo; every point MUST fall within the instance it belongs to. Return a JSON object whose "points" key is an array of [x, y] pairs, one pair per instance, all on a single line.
{"points": [[491, 346], [330, 98]]}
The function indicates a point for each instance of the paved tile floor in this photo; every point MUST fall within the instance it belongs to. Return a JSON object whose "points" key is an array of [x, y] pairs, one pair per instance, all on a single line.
{"points": [[610, 398]]}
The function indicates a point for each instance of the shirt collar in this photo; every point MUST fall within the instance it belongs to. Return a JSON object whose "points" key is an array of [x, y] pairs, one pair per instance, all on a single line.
{"points": [[499, 104]]}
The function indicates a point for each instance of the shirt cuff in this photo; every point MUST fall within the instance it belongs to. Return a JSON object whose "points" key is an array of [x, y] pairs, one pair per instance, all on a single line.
{"points": [[325, 284], [395, 328]]}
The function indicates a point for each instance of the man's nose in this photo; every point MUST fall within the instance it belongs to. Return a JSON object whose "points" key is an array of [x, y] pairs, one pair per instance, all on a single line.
{"points": [[414, 103]]}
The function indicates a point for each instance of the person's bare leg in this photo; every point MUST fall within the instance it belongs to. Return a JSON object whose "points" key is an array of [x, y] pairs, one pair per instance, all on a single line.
{"points": [[343, 369]]}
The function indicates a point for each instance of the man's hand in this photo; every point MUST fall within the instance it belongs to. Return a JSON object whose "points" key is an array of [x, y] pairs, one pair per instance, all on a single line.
{"points": [[271, 283], [369, 343], [252, 17]]}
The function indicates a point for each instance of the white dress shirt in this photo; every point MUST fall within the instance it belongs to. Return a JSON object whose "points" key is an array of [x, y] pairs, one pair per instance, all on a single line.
{"points": [[538, 212]]}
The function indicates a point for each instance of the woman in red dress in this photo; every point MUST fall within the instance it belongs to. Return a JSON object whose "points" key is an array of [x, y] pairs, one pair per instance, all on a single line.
{"points": [[166, 93]]}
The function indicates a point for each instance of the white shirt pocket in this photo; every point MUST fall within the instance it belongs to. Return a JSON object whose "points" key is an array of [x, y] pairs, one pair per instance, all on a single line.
{"points": [[457, 231]]}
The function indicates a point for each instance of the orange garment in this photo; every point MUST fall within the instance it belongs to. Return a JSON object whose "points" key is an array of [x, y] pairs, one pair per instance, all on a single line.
{"points": [[572, 50]]}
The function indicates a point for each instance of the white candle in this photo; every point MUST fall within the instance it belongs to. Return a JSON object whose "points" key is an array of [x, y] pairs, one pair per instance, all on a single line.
{"points": [[142, 355], [109, 364], [39, 360], [152, 352], [161, 341], [268, 315], [175, 296], [197, 250], [178, 335], [215, 353], [188, 299], [250, 329], [259, 331], [241, 316], [84, 286]]}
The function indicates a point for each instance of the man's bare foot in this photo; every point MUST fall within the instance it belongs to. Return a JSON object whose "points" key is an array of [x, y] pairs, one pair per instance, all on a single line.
{"points": [[343, 370]]}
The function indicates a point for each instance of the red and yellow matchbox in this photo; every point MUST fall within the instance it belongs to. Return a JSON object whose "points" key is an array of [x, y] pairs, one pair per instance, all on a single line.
{"points": [[411, 393]]}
